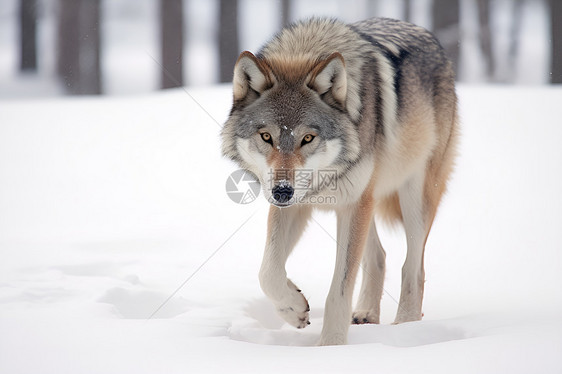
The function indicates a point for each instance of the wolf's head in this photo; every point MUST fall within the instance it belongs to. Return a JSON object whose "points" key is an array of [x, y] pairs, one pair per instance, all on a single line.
{"points": [[289, 124]]}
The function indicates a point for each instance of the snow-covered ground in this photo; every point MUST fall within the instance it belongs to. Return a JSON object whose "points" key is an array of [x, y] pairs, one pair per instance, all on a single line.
{"points": [[111, 206]]}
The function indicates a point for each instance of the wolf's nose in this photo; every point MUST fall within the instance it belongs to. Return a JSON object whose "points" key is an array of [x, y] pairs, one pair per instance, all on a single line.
{"points": [[282, 193]]}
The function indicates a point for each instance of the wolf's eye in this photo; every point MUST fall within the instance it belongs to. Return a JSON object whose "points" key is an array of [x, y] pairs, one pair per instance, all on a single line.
{"points": [[307, 139], [266, 137]]}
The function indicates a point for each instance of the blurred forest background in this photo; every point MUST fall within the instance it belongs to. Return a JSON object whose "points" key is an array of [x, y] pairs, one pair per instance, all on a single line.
{"points": [[56, 47]]}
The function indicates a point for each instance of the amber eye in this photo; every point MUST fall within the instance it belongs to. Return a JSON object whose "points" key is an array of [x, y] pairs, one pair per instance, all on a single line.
{"points": [[266, 137], [307, 139]]}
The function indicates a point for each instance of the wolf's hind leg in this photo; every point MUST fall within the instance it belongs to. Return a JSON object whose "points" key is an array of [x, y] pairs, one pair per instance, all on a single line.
{"points": [[285, 226], [374, 263]]}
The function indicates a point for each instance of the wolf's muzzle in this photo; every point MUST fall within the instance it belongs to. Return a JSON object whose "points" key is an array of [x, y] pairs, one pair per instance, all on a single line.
{"points": [[282, 193]]}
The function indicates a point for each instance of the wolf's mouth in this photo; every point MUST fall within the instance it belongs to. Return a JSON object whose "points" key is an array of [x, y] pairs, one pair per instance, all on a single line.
{"points": [[282, 205]]}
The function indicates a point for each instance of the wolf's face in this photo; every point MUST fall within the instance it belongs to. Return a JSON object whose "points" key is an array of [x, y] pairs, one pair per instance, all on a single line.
{"points": [[288, 125]]}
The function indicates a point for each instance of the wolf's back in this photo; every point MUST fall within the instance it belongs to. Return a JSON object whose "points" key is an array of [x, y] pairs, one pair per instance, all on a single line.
{"points": [[377, 46]]}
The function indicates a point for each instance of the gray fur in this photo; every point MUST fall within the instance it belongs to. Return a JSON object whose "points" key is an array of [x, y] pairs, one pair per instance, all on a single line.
{"points": [[412, 54]]}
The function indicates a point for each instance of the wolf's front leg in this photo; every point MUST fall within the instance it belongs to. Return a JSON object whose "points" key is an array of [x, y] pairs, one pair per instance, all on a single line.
{"points": [[353, 227], [285, 226]]}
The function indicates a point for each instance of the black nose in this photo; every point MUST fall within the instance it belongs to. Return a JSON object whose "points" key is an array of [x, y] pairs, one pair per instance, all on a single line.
{"points": [[282, 193]]}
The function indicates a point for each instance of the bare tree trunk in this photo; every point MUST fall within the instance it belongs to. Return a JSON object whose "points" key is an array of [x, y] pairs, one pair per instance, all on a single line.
{"points": [[78, 34], [446, 27], [515, 30], [228, 38], [556, 32], [89, 51], [68, 43], [285, 12], [28, 35], [171, 27], [485, 36], [408, 10], [514, 37]]}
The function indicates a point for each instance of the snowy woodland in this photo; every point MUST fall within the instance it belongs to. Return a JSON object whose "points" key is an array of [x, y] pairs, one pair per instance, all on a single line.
{"points": [[121, 252], [54, 47]]}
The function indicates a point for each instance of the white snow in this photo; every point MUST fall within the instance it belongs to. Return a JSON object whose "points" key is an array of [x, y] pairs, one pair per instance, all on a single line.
{"points": [[111, 206]]}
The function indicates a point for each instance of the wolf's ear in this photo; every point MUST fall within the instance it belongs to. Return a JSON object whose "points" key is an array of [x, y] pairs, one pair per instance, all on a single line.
{"points": [[329, 79], [251, 77]]}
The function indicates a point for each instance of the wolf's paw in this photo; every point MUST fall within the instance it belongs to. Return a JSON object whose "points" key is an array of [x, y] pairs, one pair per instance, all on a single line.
{"points": [[407, 317], [332, 339], [364, 316], [294, 309]]}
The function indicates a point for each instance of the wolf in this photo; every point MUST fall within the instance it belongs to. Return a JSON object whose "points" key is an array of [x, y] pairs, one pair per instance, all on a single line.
{"points": [[374, 102]]}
